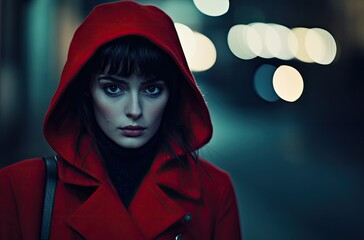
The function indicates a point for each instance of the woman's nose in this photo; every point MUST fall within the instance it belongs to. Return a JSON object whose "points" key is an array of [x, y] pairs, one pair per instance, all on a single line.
{"points": [[133, 109]]}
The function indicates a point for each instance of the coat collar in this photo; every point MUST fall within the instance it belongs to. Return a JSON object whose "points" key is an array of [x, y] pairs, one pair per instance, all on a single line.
{"points": [[164, 171], [103, 216], [184, 180], [151, 204]]}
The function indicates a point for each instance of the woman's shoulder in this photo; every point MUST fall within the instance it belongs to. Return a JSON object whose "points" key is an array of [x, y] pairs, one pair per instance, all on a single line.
{"points": [[23, 165], [217, 187], [21, 197], [22, 183], [213, 174], [24, 170]]}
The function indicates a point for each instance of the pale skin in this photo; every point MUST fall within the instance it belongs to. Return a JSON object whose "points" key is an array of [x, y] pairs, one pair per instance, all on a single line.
{"points": [[128, 110]]}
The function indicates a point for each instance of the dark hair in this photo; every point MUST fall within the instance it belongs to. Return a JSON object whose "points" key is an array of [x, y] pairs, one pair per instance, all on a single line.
{"points": [[136, 55]]}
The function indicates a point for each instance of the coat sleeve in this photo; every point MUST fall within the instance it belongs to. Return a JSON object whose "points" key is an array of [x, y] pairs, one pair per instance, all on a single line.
{"points": [[9, 221], [227, 224]]}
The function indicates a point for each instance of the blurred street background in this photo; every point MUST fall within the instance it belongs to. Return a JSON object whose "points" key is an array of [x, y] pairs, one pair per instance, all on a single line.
{"points": [[284, 81]]}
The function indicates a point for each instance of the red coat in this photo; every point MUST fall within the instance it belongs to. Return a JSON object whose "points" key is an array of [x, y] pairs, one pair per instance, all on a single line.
{"points": [[87, 208], [194, 202]]}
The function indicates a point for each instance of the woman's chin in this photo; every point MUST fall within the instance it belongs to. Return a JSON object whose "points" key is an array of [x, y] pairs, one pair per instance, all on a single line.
{"points": [[132, 143]]}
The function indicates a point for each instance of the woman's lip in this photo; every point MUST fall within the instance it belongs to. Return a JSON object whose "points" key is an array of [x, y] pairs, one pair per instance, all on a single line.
{"points": [[131, 127], [132, 131]]}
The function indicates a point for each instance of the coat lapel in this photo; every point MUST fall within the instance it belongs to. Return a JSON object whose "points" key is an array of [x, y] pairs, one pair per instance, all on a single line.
{"points": [[153, 210], [103, 216]]}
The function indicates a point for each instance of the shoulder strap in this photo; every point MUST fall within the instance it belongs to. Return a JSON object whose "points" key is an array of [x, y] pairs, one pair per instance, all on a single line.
{"points": [[50, 189]]}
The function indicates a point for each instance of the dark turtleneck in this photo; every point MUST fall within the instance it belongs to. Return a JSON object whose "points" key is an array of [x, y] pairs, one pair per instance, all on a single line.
{"points": [[126, 167]]}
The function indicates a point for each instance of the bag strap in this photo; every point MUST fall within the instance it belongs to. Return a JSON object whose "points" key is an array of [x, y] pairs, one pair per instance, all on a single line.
{"points": [[50, 189]]}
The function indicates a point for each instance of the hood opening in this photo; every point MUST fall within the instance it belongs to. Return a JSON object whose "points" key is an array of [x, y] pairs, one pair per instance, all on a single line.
{"points": [[124, 57], [186, 113]]}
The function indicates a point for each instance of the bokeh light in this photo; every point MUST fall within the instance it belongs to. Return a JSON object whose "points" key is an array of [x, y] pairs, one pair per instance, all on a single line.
{"points": [[288, 83], [263, 82], [265, 32], [287, 42], [187, 39], [273, 41], [205, 53], [270, 40], [244, 42], [199, 50], [321, 46], [212, 8], [301, 53]]}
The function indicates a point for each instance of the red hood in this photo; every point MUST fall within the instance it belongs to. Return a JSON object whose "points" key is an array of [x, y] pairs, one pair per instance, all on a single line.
{"points": [[105, 23]]}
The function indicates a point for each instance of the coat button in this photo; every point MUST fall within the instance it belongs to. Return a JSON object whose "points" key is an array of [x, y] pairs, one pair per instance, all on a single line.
{"points": [[179, 237], [187, 218]]}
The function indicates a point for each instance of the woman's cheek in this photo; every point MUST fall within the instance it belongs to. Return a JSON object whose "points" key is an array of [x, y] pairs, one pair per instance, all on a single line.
{"points": [[107, 110], [155, 111]]}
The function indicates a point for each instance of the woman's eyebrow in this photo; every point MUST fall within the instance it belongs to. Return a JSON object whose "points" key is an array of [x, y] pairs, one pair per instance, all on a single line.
{"points": [[125, 81], [113, 79], [152, 81]]}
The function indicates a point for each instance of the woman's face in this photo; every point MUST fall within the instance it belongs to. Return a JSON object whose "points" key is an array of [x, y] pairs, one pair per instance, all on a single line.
{"points": [[128, 110]]}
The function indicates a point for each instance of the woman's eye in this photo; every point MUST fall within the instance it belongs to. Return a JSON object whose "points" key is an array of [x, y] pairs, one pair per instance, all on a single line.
{"points": [[113, 90], [153, 90]]}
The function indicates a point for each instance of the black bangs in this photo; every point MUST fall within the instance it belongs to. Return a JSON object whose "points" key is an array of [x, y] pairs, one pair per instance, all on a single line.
{"points": [[134, 55]]}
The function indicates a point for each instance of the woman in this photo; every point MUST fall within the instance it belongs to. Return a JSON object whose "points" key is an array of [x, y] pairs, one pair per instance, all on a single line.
{"points": [[125, 121]]}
